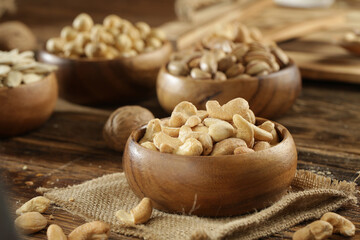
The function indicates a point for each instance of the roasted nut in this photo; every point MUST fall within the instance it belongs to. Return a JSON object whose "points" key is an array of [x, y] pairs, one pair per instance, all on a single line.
{"points": [[68, 33], [138, 215], [199, 128], [261, 145], [92, 230], [112, 21], [256, 66], [194, 63], [242, 149], [181, 113], [203, 137], [37, 204], [55, 45], [30, 222], [123, 42], [220, 76], [225, 63], [191, 147], [197, 73], [227, 146], [13, 79], [94, 50], [202, 114], [192, 121], [228, 110], [153, 42], [149, 145], [144, 29], [208, 63], [139, 45], [4, 70], [255, 34], [221, 131], [340, 224], [317, 230], [178, 68], [250, 116], [83, 22], [153, 127], [270, 127], [159, 34], [240, 51], [171, 131], [281, 57], [122, 122], [244, 130], [262, 135], [165, 143], [243, 34], [55, 232], [235, 70]]}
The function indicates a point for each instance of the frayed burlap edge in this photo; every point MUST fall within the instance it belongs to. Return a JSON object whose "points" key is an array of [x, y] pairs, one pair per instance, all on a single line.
{"points": [[311, 196]]}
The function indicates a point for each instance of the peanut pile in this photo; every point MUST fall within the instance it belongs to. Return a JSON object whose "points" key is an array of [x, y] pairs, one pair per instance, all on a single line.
{"points": [[21, 68], [218, 130], [221, 57], [116, 37]]}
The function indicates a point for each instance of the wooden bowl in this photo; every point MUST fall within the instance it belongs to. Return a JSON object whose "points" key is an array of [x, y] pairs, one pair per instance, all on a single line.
{"points": [[211, 185], [28, 106], [97, 81], [269, 96]]}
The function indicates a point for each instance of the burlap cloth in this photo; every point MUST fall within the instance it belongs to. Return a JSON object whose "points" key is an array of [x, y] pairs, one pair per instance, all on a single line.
{"points": [[310, 196]]}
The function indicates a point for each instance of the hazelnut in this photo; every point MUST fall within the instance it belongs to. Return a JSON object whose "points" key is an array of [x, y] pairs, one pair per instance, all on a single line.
{"points": [[122, 122]]}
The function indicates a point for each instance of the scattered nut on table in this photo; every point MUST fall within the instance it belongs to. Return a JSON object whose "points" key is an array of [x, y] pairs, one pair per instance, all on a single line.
{"points": [[30, 222], [340, 224], [91, 230], [37, 204], [122, 122], [138, 215], [21, 68], [236, 55], [55, 232], [317, 230], [219, 130], [114, 38]]}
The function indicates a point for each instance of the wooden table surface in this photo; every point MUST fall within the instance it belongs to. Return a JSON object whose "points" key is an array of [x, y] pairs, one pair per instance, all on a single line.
{"points": [[69, 149]]}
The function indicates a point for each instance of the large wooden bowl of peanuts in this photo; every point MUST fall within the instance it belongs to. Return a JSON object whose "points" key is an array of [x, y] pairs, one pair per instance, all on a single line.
{"points": [[221, 70], [218, 162], [28, 92], [115, 61]]}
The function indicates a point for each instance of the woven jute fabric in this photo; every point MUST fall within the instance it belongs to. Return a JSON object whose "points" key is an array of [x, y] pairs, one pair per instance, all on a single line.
{"points": [[310, 196]]}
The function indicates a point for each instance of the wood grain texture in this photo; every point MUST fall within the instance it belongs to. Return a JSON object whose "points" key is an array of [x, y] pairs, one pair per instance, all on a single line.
{"points": [[99, 81], [27, 106], [68, 149], [268, 96], [205, 185]]}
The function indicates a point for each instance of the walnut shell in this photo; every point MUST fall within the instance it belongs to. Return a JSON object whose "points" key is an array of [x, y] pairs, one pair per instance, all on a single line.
{"points": [[122, 122], [15, 34]]}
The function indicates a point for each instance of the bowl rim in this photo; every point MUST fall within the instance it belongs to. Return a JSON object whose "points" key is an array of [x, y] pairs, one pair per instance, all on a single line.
{"points": [[102, 60], [289, 66], [283, 131], [47, 76]]}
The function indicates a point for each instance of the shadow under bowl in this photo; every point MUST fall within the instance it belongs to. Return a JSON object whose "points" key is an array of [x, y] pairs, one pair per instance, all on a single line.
{"points": [[27, 106], [213, 186], [102, 81], [268, 96]]}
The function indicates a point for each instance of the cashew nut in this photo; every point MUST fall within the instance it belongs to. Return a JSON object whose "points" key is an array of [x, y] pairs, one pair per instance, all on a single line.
{"points": [[220, 130], [191, 147], [92, 230], [55, 232], [149, 145], [192, 121], [171, 131], [340, 224], [261, 145], [270, 127], [242, 149], [165, 143], [244, 130], [200, 128], [37, 204], [154, 126], [181, 113], [30, 222], [317, 230], [204, 138], [250, 116], [138, 215], [262, 135], [228, 110], [202, 114], [227, 146]]}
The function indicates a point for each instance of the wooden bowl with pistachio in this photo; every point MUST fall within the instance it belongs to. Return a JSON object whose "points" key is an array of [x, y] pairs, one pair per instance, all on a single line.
{"points": [[115, 61], [222, 70], [221, 161], [28, 92]]}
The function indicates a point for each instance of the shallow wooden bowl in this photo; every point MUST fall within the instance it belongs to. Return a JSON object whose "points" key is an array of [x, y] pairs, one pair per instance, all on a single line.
{"points": [[269, 96], [28, 106], [211, 185], [97, 81]]}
